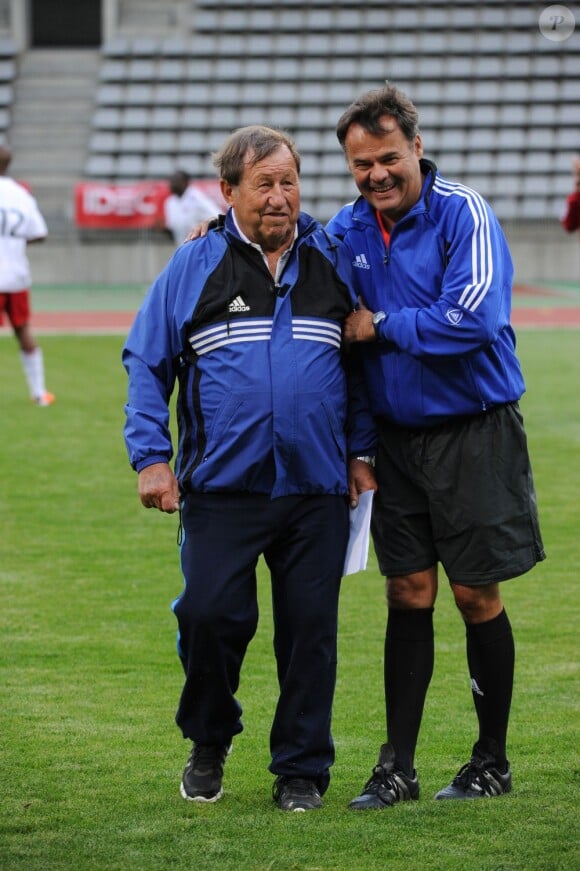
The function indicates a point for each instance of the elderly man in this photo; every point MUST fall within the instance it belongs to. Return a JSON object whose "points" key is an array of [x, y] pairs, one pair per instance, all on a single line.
{"points": [[248, 320]]}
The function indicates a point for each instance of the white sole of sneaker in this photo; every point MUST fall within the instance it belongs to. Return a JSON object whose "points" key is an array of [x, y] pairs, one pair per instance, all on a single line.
{"points": [[200, 798]]}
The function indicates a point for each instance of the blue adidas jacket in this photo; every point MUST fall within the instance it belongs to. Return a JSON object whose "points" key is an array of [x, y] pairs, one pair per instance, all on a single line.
{"points": [[445, 282], [262, 403]]}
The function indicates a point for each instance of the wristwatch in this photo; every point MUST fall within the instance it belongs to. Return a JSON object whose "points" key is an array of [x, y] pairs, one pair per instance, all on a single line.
{"points": [[378, 318], [367, 459]]}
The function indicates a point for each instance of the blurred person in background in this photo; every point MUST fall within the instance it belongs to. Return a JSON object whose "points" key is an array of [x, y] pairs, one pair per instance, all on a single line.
{"points": [[571, 218], [21, 223], [185, 206]]}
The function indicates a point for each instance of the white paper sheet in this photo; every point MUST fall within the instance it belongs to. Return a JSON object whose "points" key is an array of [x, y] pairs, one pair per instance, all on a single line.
{"points": [[357, 551]]}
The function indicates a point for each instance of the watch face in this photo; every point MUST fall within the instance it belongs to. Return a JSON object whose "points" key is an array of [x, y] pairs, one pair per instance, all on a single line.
{"points": [[378, 317]]}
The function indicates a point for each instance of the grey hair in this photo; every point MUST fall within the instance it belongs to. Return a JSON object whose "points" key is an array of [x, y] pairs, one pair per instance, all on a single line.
{"points": [[248, 146]]}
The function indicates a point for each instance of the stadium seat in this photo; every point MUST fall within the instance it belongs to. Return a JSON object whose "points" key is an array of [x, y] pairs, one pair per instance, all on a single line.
{"points": [[141, 70], [105, 142], [145, 46], [567, 139], [175, 46], [169, 94], [165, 118], [111, 95], [7, 70], [159, 166], [130, 166], [162, 142], [100, 166], [479, 162], [140, 94], [8, 47], [6, 95], [132, 141], [171, 70], [113, 70], [105, 118], [116, 46], [136, 118], [193, 163]]}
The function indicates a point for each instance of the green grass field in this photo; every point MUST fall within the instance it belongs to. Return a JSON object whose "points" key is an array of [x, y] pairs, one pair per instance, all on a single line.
{"points": [[90, 758]]}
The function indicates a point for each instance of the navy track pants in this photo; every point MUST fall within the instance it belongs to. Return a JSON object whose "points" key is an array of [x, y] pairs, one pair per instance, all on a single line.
{"points": [[303, 540]]}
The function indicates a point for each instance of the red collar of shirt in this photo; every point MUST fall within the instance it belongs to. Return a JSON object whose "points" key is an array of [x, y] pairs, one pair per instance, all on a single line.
{"points": [[383, 229]]}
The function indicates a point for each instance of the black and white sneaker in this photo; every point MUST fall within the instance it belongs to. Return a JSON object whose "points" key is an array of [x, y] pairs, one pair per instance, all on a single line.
{"points": [[479, 778], [387, 785], [202, 776], [296, 794]]}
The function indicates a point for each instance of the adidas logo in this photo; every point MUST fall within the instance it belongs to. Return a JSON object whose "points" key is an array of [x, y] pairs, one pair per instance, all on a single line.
{"points": [[238, 305], [361, 261]]}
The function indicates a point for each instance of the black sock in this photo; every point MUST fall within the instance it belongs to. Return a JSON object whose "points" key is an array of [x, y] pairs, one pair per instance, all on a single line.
{"points": [[409, 657], [491, 657]]}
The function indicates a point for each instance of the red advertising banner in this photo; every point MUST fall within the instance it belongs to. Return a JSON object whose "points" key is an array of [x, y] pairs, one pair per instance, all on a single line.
{"points": [[138, 205]]}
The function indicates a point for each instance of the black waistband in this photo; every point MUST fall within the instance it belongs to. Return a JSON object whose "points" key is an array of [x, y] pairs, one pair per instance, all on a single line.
{"points": [[451, 421]]}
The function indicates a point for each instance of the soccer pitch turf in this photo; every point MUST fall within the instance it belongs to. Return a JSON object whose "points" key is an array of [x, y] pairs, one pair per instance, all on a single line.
{"points": [[89, 678]]}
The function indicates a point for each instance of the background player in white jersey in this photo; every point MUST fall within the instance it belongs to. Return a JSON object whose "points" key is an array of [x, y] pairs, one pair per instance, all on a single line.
{"points": [[20, 223], [185, 206]]}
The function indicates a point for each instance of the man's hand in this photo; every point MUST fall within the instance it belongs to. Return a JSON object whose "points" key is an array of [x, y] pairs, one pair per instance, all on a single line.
{"points": [[358, 326], [361, 477], [200, 229], [158, 488]]}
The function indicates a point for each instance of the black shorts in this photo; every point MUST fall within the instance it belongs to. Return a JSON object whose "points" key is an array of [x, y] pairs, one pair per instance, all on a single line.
{"points": [[461, 494]]}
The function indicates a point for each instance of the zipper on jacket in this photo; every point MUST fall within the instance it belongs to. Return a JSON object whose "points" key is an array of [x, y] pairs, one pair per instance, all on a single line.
{"points": [[192, 461]]}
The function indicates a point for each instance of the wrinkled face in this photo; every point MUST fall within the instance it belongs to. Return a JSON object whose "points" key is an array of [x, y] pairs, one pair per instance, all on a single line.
{"points": [[385, 168], [267, 200]]}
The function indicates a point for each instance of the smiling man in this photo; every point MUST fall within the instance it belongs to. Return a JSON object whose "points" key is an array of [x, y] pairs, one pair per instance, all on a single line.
{"points": [[454, 481], [386, 167]]}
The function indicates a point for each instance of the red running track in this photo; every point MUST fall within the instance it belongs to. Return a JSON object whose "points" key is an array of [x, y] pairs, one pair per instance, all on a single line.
{"points": [[120, 322]]}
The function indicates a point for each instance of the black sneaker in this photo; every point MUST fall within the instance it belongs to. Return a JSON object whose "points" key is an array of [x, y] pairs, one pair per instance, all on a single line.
{"points": [[478, 779], [202, 776], [296, 794], [387, 785]]}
